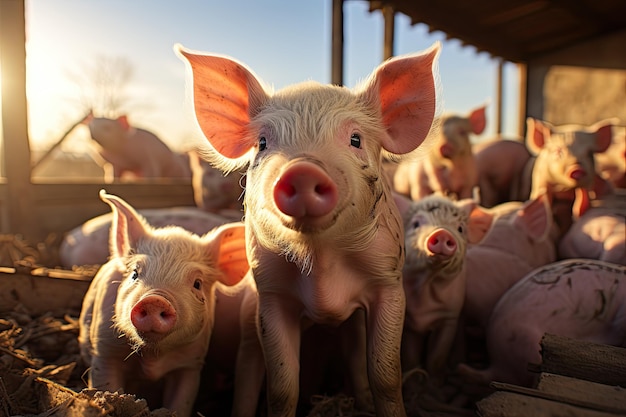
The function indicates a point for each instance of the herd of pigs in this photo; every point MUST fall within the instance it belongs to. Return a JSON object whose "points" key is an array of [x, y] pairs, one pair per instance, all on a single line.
{"points": [[366, 216]]}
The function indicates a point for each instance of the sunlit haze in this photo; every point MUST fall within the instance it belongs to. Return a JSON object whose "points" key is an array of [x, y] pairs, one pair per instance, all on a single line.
{"points": [[283, 42]]}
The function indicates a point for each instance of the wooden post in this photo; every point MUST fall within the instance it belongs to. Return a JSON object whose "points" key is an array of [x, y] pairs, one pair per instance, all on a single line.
{"points": [[499, 94], [17, 207], [389, 18], [522, 109], [337, 43]]}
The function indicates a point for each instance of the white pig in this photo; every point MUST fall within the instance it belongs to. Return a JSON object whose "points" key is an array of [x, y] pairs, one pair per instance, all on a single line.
{"points": [[600, 232], [564, 163], [449, 167], [522, 238], [437, 233], [88, 244], [129, 152], [504, 167], [324, 237], [148, 314], [577, 298]]}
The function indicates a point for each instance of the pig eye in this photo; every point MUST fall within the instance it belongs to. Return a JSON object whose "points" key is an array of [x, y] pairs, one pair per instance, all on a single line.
{"points": [[134, 275], [355, 140], [262, 143], [197, 284], [416, 224], [460, 229]]}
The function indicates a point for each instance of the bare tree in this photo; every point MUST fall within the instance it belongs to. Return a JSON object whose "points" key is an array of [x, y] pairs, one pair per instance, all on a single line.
{"points": [[102, 85]]}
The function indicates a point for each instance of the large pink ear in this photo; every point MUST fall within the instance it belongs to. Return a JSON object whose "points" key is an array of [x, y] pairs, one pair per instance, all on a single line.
{"points": [[537, 134], [228, 244], [535, 218], [226, 95], [478, 120], [127, 228], [406, 88]]}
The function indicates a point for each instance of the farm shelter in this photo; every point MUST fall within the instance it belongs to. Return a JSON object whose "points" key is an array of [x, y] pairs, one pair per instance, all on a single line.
{"points": [[558, 45]]}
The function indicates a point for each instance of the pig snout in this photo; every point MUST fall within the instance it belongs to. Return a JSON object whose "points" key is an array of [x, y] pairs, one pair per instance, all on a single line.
{"points": [[154, 316], [304, 189], [446, 150], [441, 242], [577, 173]]}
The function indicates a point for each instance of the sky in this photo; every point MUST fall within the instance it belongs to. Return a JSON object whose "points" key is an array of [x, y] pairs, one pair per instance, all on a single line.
{"points": [[284, 42]]}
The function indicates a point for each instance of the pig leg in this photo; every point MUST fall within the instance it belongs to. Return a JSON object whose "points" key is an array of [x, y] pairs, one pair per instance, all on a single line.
{"points": [[106, 374], [385, 323], [279, 332], [354, 349], [181, 388], [250, 368], [439, 347]]}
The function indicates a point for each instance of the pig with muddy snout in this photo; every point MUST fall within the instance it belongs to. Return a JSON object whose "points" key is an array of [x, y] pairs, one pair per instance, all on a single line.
{"points": [[324, 237], [148, 315]]}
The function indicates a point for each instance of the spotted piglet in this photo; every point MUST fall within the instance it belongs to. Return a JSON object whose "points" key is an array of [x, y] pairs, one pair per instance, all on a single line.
{"points": [[324, 237], [437, 233], [148, 315]]}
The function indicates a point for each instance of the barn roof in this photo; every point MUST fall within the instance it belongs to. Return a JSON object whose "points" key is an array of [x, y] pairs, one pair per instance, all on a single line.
{"points": [[515, 30]]}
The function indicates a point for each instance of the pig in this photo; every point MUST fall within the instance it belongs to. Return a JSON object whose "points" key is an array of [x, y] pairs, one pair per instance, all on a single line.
{"points": [[504, 168], [215, 192], [611, 164], [88, 244], [600, 232], [128, 152], [564, 162], [437, 233], [581, 299], [148, 314], [522, 237], [324, 237], [449, 167]]}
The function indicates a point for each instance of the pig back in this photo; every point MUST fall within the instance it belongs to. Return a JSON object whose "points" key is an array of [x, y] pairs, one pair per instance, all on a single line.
{"points": [[502, 258], [575, 298]]}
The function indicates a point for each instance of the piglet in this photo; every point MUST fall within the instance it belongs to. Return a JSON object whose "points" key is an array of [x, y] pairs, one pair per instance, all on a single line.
{"points": [[437, 233], [522, 238], [88, 244], [600, 232], [129, 152], [148, 314], [565, 162], [324, 237], [504, 167], [449, 167], [577, 298], [611, 164]]}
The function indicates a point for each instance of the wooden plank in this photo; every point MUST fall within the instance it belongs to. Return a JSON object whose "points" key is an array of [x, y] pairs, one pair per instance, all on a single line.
{"points": [[584, 360], [607, 397], [42, 291], [564, 396], [508, 404]]}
